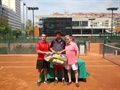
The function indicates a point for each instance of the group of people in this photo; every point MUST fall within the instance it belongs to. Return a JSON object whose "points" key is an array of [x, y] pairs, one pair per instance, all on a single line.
{"points": [[59, 46]]}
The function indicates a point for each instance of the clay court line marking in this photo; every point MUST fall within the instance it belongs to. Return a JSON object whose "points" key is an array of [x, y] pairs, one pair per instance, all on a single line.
{"points": [[1, 68], [18, 55], [18, 62], [101, 65], [19, 67]]}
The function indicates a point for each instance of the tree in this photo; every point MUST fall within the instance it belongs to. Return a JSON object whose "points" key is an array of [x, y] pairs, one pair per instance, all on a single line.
{"points": [[5, 30], [29, 27], [16, 33]]}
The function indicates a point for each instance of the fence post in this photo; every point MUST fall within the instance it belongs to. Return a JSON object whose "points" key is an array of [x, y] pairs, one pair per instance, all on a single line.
{"points": [[8, 46]]}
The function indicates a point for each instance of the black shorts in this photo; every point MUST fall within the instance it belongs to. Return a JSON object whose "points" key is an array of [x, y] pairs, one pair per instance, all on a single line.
{"points": [[42, 64]]}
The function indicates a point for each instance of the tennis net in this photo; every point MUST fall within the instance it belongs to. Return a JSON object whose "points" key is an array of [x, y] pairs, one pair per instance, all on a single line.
{"points": [[112, 53]]}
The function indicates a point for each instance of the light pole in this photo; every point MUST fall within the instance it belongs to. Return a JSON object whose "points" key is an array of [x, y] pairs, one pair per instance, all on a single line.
{"points": [[81, 28], [91, 19], [112, 9], [23, 17], [33, 8], [26, 13]]}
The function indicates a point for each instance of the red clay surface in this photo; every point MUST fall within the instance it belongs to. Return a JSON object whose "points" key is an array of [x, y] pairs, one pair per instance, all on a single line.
{"points": [[17, 72]]}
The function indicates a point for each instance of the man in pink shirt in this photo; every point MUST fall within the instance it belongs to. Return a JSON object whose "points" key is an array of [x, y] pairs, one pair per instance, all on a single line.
{"points": [[72, 54]]}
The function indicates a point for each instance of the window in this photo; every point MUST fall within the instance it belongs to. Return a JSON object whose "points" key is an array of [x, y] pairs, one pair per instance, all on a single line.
{"points": [[75, 23], [84, 23]]}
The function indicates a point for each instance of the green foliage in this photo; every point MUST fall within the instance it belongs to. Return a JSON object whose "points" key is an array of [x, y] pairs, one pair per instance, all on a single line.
{"points": [[16, 33], [5, 31], [29, 27]]}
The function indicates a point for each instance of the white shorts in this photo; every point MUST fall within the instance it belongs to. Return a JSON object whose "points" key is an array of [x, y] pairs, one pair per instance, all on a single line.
{"points": [[73, 66]]}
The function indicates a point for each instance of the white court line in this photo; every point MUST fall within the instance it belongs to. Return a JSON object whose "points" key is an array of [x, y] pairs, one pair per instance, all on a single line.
{"points": [[18, 55], [1, 68], [18, 66], [18, 62], [102, 66]]}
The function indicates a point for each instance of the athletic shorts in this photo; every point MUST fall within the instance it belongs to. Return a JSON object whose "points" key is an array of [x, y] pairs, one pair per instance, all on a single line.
{"points": [[73, 66], [42, 64], [57, 66]]}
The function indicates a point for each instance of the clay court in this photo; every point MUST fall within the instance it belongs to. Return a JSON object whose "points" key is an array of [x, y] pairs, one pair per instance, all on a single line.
{"points": [[17, 72]]}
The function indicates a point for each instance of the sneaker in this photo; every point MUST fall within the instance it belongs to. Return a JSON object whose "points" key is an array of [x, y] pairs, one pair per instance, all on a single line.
{"points": [[69, 83], [46, 82], [38, 83], [77, 84], [55, 81]]}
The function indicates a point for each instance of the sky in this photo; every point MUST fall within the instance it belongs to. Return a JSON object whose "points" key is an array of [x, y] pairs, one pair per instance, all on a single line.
{"points": [[47, 7]]}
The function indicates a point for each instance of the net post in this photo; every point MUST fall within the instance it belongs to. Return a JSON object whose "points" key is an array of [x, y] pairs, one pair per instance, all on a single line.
{"points": [[104, 48]]}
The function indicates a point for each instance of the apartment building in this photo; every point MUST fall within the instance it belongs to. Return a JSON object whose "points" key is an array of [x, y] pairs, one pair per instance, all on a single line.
{"points": [[12, 9]]}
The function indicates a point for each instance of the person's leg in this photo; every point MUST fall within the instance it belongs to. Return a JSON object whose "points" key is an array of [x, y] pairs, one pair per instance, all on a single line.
{"points": [[56, 73], [63, 75], [46, 67], [39, 74], [75, 68], [39, 79], [39, 66], [45, 74], [68, 67], [69, 75], [76, 76]]}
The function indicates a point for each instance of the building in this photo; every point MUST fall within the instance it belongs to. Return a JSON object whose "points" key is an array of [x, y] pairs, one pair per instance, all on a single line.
{"points": [[0, 2], [52, 25], [86, 24], [3, 14], [13, 12]]}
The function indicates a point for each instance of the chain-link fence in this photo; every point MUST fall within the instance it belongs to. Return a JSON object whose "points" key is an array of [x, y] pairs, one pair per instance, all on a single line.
{"points": [[27, 45], [19, 46]]}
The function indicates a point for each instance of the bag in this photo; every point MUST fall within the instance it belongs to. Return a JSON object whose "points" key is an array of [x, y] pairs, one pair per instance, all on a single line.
{"points": [[59, 59]]}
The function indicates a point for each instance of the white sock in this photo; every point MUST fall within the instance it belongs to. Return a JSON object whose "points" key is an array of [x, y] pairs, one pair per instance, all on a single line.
{"points": [[56, 78], [63, 78]]}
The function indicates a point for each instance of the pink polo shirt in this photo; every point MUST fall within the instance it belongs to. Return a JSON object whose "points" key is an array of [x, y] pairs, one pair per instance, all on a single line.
{"points": [[71, 50]]}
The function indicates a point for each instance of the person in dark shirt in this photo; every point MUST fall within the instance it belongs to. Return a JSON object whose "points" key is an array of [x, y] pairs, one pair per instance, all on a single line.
{"points": [[58, 46]]}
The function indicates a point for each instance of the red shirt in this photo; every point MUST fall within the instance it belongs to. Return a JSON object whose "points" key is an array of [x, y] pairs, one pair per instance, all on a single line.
{"points": [[42, 46]]}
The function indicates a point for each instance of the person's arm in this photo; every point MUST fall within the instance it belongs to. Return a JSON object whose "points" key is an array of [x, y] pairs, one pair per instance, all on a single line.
{"points": [[77, 53], [51, 45], [41, 52], [61, 51], [52, 50]]}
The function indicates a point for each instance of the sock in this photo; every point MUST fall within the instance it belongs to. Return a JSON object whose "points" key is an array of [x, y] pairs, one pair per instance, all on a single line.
{"points": [[56, 78], [63, 78]]}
